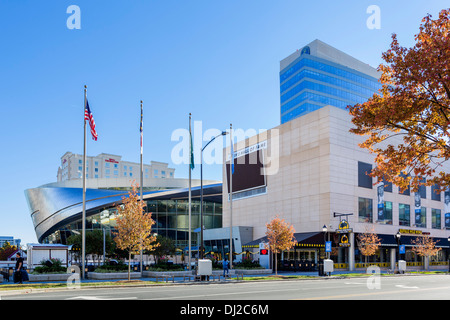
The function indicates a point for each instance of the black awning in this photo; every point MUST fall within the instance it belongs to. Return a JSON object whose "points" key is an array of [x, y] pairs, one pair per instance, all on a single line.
{"points": [[389, 240], [408, 241], [311, 238]]}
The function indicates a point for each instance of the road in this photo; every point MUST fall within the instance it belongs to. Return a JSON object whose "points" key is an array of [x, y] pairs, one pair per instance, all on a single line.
{"points": [[388, 288]]}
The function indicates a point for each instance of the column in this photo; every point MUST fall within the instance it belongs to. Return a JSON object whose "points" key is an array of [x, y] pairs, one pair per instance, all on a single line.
{"points": [[393, 258], [351, 253]]}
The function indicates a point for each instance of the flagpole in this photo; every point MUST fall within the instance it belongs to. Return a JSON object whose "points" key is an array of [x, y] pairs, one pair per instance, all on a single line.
{"points": [[83, 218], [231, 196], [190, 195], [142, 166]]}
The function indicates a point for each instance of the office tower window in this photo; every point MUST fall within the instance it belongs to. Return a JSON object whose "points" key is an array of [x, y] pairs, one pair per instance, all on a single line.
{"points": [[420, 218], [423, 189], [435, 193], [404, 215], [407, 191], [385, 217], [436, 218], [365, 210], [364, 180]]}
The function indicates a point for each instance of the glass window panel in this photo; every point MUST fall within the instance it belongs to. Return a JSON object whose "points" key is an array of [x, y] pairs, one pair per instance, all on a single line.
{"points": [[161, 220], [171, 206], [162, 206], [171, 221], [364, 180], [435, 193], [182, 206], [436, 218], [404, 214], [365, 210], [420, 218]]}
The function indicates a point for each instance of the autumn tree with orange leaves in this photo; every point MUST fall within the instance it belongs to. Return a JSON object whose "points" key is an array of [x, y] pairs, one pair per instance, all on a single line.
{"points": [[425, 246], [134, 226], [280, 236], [413, 104], [368, 242]]}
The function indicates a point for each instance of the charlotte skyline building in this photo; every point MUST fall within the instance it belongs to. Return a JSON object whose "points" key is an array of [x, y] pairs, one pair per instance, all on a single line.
{"points": [[320, 75], [109, 166]]}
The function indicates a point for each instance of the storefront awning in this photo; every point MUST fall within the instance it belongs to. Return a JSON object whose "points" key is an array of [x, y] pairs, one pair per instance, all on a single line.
{"points": [[389, 240], [306, 238]]}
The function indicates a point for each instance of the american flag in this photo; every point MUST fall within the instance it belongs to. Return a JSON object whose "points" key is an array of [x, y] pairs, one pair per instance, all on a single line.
{"points": [[88, 116]]}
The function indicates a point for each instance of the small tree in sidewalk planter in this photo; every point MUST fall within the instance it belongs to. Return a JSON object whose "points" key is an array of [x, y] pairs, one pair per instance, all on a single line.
{"points": [[368, 242], [134, 226], [425, 246], [280, 236]]}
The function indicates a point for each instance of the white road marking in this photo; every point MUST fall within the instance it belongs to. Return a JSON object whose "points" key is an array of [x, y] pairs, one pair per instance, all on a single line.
{"points": [[99, 298]]}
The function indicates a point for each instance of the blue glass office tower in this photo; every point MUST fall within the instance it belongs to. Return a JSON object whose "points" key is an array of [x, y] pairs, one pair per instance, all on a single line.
{"points": [[320, 75]]}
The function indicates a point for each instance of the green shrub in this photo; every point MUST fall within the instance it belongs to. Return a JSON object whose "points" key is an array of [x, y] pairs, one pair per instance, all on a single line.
{"points": [[248, 264], [50, 266], [120, 267]]}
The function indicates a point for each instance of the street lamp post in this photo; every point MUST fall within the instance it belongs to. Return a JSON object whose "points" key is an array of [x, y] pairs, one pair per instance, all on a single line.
{"points": [[201, 192], [448, 254], [325, 230], [397, 237]]}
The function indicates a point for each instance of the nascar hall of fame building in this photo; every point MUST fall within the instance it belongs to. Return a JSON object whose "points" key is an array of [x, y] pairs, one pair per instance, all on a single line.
{"points": [[56, 208]]}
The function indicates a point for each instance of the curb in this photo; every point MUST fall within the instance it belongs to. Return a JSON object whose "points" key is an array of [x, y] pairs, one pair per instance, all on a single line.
{"points": [[231, 281]]}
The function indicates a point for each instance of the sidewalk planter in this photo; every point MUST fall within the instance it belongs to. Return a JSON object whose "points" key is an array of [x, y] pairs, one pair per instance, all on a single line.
{"points": [[113, 275], [49, 277]]}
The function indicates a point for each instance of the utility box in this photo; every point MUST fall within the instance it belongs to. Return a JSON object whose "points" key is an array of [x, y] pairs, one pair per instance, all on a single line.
{"points": [[401, 266], [328, 266], [204, 267]]}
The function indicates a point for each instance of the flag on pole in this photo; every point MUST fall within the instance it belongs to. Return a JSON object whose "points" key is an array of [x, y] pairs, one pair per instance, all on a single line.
{"points": [[232, 157], [142, 126], [88, 116], [191, 158]]}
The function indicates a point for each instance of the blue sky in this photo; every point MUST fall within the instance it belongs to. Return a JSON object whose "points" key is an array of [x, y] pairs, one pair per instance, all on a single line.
{"points": [[218, 60]]}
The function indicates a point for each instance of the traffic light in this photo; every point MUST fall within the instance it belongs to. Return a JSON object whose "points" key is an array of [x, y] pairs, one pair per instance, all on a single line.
{"points": [[264, 252]]}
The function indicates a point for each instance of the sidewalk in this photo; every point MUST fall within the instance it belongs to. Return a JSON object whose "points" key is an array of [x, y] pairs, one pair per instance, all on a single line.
{"points": [[284, 275]]}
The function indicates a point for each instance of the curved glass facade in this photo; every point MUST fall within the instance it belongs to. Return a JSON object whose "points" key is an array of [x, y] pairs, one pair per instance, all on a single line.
{"points": [[310, 83], [57, 212], [171, 220]]}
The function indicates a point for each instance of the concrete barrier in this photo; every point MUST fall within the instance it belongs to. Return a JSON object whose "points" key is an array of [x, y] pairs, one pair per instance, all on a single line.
{"points": [[112, 275], [48, 277], [152, 274], [253, 271]]}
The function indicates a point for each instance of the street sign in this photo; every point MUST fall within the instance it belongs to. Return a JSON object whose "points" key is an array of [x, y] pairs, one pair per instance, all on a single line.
{"points": [[402, 249], [328, 246]]}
